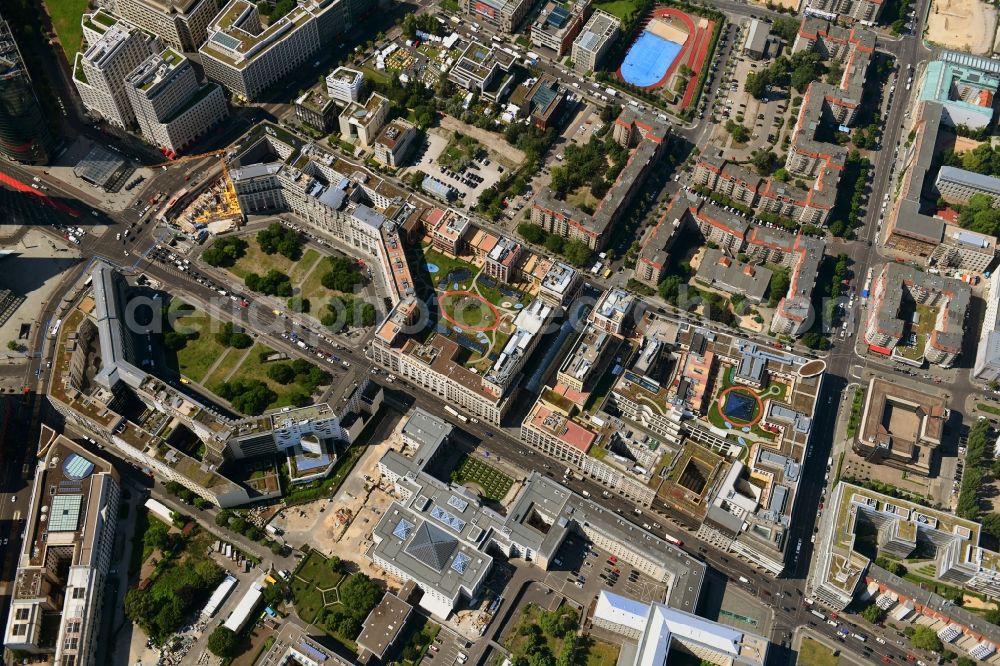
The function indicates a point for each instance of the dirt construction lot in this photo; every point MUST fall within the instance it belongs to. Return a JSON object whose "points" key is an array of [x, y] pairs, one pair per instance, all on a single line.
{"points": [[965, 25]]}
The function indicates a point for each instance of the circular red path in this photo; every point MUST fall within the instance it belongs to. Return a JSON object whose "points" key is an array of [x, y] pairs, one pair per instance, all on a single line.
{"points": [[470, 294]]}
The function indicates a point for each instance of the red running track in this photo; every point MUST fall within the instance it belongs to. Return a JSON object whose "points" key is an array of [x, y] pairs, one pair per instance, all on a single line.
{"points": [[692, 54], [18, 186]]}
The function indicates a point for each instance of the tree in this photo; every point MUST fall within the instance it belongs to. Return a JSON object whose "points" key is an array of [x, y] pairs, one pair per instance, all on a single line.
{"points": [[964, 661], [670, 288], [980, 215], [272, 283], [892, 566], [924, 638], [12, 345], [174, 341], [778, 286], [764, 161], [223, 517], [223, 642], [577, 252], [532, 233], [225, 252], [277, 238], [342, 276], [873, 614], [555, 243], [281, 373], [786, 28], [739, 133], [991, 524], [231, 336]]}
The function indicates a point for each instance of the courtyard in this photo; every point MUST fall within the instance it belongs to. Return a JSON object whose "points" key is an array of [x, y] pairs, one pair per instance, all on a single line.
{"points": [[485, 479]]}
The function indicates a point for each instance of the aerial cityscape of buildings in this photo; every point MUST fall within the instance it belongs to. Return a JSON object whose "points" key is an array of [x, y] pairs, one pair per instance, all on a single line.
{"points": [[499, 332]]}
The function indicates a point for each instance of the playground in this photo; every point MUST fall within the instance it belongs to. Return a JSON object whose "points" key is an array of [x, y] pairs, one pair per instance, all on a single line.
{"points": [[670, 43], [476, 311]]}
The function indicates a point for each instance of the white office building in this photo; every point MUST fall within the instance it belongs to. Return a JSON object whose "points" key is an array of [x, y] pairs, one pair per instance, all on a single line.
{"points": [[183, 24], [655, 630], [247, 58], [56, 595], [99, 72], [345, 84], [172, 110]]}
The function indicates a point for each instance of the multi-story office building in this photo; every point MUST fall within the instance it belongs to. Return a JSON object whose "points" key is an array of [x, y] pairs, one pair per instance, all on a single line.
{"points": [[439, 537], [943, 300], [884, 435], [655, 631], [100, 71], [964, 250], [24, 134], [182, 24], [588, 359], [484, 70], [965, 91], [594, 41], [247, 58], [345, 85], [316, 108], [987, 366], [900, 527], [363, 122], [505, 15], [614, 311], [57, 596], [557, 25], [558, 284], [394, 141], [172, 110], [958, 185]]}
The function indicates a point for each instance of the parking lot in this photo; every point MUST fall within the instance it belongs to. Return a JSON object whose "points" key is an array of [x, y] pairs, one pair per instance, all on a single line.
{"points": [[768, 119], [483, 172], [580, 572]]}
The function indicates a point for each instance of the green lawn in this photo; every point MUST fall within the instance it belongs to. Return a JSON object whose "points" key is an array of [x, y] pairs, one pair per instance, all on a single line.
{"points": [[257, 261], [468, 311], [313, 289], [230, 359], [498, 298], [989, 409], [813, 653], [494, 484], [66, 20], [316, 569], [308, 584], [620, 8], [597, 653], [302, 266], [202, 349], [253, 368], [446, 265]]}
